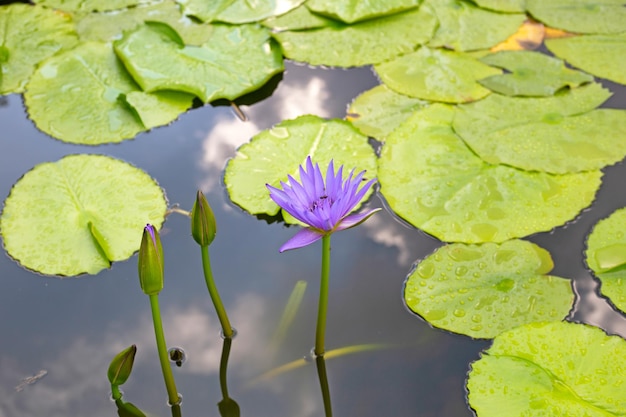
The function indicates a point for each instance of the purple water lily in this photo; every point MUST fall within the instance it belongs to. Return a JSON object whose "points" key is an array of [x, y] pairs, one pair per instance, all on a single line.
{"points": [[324, 206]]}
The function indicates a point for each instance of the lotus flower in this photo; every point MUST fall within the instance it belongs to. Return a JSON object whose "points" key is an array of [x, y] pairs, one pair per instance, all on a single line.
{"points": [[324, 206]]}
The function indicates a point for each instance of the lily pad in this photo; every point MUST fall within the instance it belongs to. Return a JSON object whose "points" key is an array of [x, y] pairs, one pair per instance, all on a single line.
{"points": [[203, 10], [300, 18], [79, 214], [484, 290], [437, 75], [465, 27], [529, 36], [553, 134], [430, 178], [365, 43], [606, 256], [531, 74], [158, 60], [550, 369], [90, 5], [29, 35], [378, 111], [509, 6], [589, 16], [81, 96], [600, 55], [351, 11], [237, 11], [274, 153]]}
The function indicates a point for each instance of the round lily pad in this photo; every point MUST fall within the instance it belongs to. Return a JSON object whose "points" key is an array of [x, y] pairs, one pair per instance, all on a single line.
{"points": [[79, 214], [550, 369], [606, 256], [350, 11], [436, 75], [300, 18], [430, 178], [277, 152], [502, 5], [484, 290], [553, 134], [237, 11], [597, 16], [89, 5]]}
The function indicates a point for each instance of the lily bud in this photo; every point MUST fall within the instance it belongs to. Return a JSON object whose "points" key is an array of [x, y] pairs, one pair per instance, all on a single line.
{"points": [[121, 365], [151, 261], [203, 227]]}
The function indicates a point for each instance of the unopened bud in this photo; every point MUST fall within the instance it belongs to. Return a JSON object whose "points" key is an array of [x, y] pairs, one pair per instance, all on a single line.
{"points": [[121, 366], [203, 227], [151, 261]]}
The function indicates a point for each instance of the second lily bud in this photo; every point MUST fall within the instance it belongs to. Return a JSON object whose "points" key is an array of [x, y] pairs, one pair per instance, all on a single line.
{"points": [[151, 261], [203, 227]]}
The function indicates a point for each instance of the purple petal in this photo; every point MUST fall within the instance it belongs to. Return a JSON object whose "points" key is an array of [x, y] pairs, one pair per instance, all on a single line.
{"points": [[355, 219], [303, 238]]}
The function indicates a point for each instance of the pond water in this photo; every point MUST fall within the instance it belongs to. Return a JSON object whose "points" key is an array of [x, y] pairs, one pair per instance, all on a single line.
{"points": [[71, 328]]}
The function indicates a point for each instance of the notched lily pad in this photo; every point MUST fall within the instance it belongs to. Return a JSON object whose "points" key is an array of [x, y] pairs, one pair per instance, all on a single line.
{"points": [[590, 16], [550, 369], [351, 11], [79, 214], [484, 290], [237, 11], [508, 6], [90, 5], [274, 153], [300, 18]]}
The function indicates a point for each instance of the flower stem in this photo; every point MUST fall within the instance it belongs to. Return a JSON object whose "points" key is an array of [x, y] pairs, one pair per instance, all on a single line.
{"points": [[321, 372], [227, 330], [323, 301], [116, 394], [170, 385]]}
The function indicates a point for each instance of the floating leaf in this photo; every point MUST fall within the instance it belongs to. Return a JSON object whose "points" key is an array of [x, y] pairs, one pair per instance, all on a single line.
{"points": [[364, 43], [509, 6], [528, 36], [590, 16], [90, 5], [237, 11], [600, 55], [436, 75], [606, 256], [434, 181], [378, 111], [550, 369], [81, 96], [465, 27], [531, 74], [484, 290], [29, 35], [553, 134], [158, 60], [300, 18], [203, 10], [274, 153], [79, 214], [351, 11]]}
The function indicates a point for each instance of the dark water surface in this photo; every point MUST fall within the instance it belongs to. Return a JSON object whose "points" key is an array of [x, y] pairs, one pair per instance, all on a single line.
{"points": [[73, 327]]}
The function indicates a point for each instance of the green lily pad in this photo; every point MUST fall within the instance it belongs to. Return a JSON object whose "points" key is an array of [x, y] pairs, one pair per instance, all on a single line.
{"points": [[206, 11], [237, 11], [300, 18], [158, 60], [437, 75], [507, 6], [79, 214], [531, 74], [90, 5], [364, 43], [351, 11], [550, 369], [81, 96], [274, 153], [589, 16], [606, 256], [465, 27], [600, 55], [430, 178], [378, 111], [553, 134], [29, 35], [484, 290]]}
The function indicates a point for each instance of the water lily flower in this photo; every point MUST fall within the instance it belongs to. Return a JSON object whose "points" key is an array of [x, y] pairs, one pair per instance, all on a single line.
{"points": [[323, 205]]}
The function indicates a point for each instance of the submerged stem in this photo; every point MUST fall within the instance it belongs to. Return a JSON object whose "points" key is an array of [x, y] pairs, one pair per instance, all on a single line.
{"points": [[170, 385], [321, 372], [227, 330], [323, 300]]}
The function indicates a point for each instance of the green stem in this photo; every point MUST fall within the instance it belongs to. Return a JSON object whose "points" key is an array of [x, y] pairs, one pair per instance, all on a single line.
{"points": [[116, 394], [323, 301], [321, 372], [170, 385], [227, 330], [224, 365]]}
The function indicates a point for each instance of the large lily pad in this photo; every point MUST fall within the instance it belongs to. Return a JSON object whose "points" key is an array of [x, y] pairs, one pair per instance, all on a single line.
{"points": [[90, 5], [531, 74], [600, 55], [437, 75], [550, 369], [553, 134], [29, 35], [465, 27], [82, 96], [484, 290], [158, 60], [589, 16], [606, 256], [300, 18], [274, 153], [237, 11], [79, 214], [365, 43], [351, 11], [434, 181], [509, 6]]}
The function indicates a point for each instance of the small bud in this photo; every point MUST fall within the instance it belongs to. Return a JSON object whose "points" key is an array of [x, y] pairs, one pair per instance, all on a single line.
{"points": [[121, 365], [203, 227], [151, 261]]}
